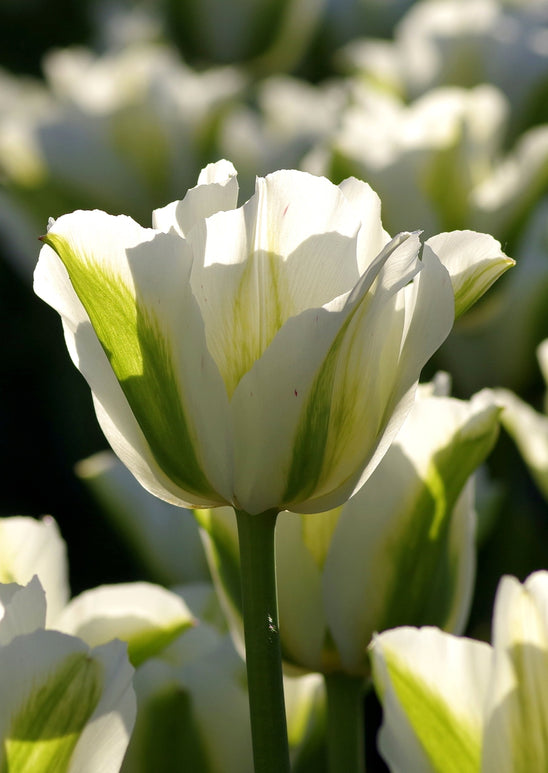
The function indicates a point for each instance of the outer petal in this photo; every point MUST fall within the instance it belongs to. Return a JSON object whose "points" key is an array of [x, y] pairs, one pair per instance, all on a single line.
{"points": [[132, 284], [516, 737], [146, 616], [372, 237], [381, 355], [166, 538], [432, 687], [30, 547], [474, 261], [398, 542], [217, 190], [64, 708]]}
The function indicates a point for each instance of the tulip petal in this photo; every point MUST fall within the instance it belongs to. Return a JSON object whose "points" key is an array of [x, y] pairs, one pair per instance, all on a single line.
{"points": [[529, 430], [164, 537], [217, 190], [317, 367], [372, 237], [303, 627], [31, 547], [474, 261], [432, 687], [380, 354], [64, 708], [516, 736], [399, 534], [133, 285], [148, 617], [289, 248]]}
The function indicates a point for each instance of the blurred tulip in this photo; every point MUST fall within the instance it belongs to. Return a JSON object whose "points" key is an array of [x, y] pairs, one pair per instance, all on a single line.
{"points": [[528, 427], [457, 704], [164, 537], [193, 705], [64, 706], [29, 547], [466, 43], [122, 131]]}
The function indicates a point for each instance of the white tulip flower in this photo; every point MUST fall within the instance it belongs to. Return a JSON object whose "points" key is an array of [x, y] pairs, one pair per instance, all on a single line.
{"points": [[455, 704], [65, 707], [262, 356]]}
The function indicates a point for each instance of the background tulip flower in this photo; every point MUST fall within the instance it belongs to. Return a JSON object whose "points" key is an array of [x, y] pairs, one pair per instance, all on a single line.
{"points": [[30, 547], [165, 538], [457, 704], [64, 706]]}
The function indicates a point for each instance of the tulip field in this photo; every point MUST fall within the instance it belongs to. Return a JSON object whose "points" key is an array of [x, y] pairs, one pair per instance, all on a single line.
{"points": [[274, 300]]}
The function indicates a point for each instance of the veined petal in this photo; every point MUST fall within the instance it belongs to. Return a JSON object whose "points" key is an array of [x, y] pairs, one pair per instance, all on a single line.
{"points": [[64, 708], [337, 426], [30, 547], [132, 284], [217, 190], [516, 738], [432, 686], [291, 247], [372, 237], [474, 261], [287, 447], [148, 617]]}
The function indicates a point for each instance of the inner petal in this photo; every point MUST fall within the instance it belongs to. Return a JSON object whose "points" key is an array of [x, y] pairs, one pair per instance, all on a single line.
{"points": [[257, 266]]}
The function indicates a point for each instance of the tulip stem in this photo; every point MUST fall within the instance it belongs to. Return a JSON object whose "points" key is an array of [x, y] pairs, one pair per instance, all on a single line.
{"points": [[262, 641], [345, 723]]}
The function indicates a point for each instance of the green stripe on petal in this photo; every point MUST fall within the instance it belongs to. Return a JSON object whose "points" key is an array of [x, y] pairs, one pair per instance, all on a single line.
{"points": [[44, 733], [149, 643], [140, 355], [311, 438], [450, 743]]}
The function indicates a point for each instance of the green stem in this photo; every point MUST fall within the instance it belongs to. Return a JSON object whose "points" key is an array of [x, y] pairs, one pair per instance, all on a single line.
{"points": [[262, 641], [345, 723]]}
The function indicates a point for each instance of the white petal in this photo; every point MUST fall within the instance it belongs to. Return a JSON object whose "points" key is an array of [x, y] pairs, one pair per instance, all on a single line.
{"points": [[432, 686], [474, 262], [400, 541], [303, 626], [30, 547], [217, 190], [529, 430], [165, 537], [53, 688], [116, 266], [517, 731], [289, 248], [147, 616], [372, 236]]}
